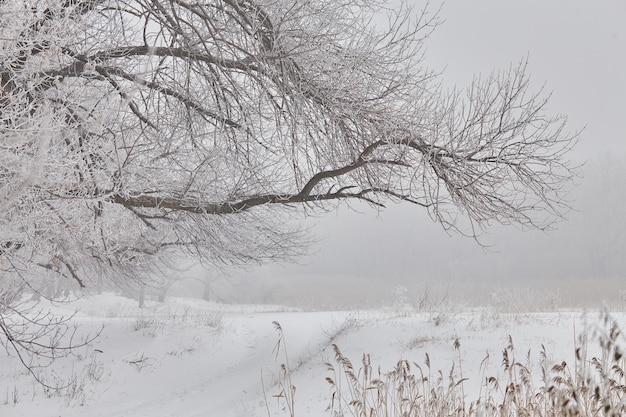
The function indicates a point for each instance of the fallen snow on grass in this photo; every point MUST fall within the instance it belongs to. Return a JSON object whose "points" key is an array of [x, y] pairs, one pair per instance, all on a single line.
{"points": [[188, 357]]}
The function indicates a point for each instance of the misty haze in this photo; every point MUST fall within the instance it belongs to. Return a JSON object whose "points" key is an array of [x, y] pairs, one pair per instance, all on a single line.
{"points": [[312, 208]]}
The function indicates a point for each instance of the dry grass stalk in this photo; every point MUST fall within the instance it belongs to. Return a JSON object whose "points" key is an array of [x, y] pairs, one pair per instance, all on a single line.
{"points": [[591, 387]]}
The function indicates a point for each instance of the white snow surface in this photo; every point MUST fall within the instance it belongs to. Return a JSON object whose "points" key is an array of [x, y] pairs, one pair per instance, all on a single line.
{"points": [[188, 357]]}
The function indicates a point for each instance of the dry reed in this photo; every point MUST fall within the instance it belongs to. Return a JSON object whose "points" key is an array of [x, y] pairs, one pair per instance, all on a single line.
{"points": [[592, 386]]}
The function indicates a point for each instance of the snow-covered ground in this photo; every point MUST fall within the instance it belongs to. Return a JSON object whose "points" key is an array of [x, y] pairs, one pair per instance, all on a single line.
{"points": [[187, 357]]}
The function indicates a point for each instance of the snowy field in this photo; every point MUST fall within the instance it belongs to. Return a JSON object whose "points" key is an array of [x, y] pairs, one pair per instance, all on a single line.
{"points": [[188, 357]]}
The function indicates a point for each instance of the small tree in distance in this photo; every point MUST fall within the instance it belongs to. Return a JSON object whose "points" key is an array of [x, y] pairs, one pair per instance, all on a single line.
{"points": [[134, 131]]}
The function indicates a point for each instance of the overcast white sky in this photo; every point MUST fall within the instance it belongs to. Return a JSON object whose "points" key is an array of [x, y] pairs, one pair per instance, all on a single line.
{"points": [[578, 48]]}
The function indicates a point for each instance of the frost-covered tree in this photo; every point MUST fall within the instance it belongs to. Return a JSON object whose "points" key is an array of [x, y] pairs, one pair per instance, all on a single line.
{"points": [[134, 131]]}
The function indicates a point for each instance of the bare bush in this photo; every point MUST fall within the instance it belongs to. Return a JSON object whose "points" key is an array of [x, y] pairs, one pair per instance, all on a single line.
{"points": [[37, 337]]}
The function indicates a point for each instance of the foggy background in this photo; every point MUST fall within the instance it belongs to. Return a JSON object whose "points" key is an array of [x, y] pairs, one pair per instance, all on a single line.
{"points": [[365, 258]]}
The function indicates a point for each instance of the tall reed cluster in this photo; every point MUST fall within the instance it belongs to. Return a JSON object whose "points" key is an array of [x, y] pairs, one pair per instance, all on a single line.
{"points": [[591, 386]]}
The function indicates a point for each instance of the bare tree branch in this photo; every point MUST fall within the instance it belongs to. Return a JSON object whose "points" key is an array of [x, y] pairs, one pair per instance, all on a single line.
{"points": [[136, 132]]}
